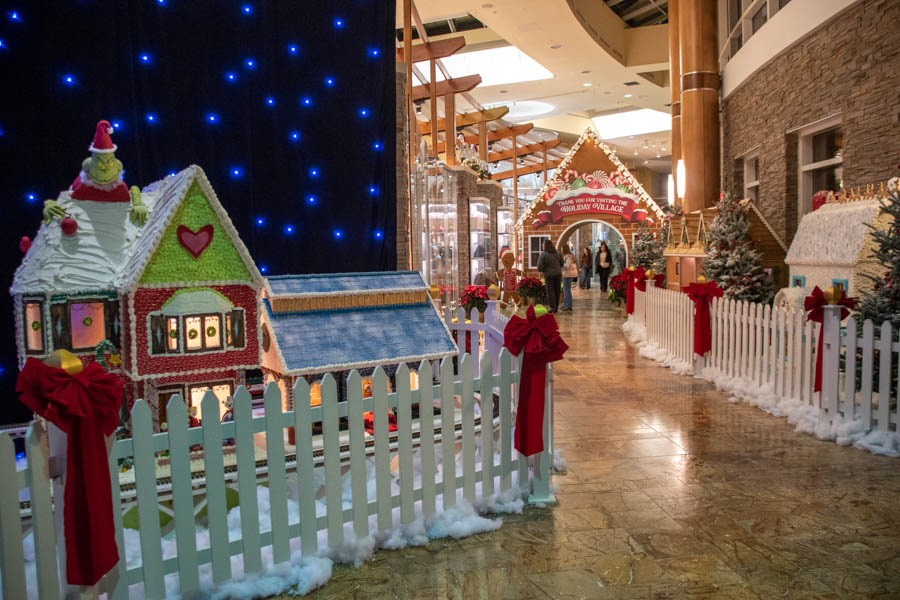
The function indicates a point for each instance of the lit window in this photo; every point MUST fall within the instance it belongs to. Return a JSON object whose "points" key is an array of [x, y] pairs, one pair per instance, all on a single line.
{"points": [[820, 161], [212, 331], [535, 245], [87, 324], [221, 390], [172, 334], [193, 333], [751, 177], [34, 326]]}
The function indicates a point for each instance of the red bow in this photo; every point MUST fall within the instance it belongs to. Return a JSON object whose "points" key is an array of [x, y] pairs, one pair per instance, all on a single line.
{"points": [[702, 294], [633, 278], [814, 304], [539, 338], [659, 280], [86, 407]]}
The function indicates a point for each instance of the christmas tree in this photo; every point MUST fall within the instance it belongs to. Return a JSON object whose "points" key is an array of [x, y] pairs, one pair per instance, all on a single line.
{"points": [[883, 303], [648, 250], [733, 263]]}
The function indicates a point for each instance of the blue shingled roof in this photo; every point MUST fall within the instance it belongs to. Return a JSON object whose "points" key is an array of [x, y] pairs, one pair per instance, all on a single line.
{"points": [[293, 285], [325, 341]]}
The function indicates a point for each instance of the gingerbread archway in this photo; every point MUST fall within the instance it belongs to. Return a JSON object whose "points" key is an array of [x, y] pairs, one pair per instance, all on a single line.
{"points": [[591, 184]]}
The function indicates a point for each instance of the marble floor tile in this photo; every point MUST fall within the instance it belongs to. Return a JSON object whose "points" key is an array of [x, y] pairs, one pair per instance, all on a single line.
{"points": [[671, 492]]}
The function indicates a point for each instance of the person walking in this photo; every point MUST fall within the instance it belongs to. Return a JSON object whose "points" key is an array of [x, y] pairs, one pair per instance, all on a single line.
{"points": [[586, 264], [604, 265], [550, 264], [621, 258], [570, 276]]}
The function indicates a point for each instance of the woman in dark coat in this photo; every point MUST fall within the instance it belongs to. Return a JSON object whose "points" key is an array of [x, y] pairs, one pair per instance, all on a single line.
{"points": [[604, 265], [586, 271], [550, 263]]}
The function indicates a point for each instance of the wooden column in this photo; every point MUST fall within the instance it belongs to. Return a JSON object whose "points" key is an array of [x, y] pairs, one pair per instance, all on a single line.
{"points": [[482, 140], [697, 22], [450, 127], [432, 90], [515, 236], [545, 167], [675, 81]]}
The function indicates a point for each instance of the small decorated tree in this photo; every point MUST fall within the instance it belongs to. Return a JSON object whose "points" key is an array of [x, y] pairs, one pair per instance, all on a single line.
{"points": [[883, 303], [733, 263], [648, 250]]}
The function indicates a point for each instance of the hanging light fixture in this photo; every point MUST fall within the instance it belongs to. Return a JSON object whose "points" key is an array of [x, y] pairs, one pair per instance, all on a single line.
{"points": [[680, 177]]}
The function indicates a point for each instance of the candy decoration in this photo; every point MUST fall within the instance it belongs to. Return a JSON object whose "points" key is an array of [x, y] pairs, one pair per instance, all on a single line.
{"points": [[195, 242], [24, 243], [69, 226]]}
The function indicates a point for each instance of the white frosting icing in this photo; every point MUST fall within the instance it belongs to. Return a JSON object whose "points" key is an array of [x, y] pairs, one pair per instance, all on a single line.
{"points": [[833, 235], [88, 260]]}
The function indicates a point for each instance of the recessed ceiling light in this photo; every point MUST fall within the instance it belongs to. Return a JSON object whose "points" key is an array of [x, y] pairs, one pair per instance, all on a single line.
{"points": [[588, 84], [646, 162], [629, 95], [556, 46]]}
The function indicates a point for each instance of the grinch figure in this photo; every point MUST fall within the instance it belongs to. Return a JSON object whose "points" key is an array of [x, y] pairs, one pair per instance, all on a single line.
{"points": [[100, 180], [508, 277]]}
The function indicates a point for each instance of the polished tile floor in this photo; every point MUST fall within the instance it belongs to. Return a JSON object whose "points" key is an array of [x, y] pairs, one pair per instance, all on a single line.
{"points": [[671, 492]]}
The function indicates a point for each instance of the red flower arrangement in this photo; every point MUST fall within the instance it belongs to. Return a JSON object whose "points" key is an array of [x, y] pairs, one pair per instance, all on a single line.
{"points": [[531, 287], [819, 199], [475, 296], [617, 288]]}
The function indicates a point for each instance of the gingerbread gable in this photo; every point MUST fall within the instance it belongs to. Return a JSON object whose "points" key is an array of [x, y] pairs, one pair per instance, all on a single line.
{"points": [[188, 238]]}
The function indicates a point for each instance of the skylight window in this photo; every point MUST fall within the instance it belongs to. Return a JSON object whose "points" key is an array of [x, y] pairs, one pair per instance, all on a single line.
{"points": [[497, 66], [634, 122]]}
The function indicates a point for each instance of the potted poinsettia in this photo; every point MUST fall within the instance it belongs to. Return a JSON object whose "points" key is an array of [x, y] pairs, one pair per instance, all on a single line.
{"points": [[474, 297], [531, 289], [617, 288]]}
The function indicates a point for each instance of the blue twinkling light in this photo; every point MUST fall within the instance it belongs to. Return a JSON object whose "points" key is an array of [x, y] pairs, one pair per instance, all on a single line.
{"points": [[151, 118], [293, 49], [314, 172], [289, 229], [230, 76], [236, 172], [338, 234], [145, 58], [270, 101], [306, 101], [295, 136], [160, 1], [212, 118], [117, 124], [338, 23], [378, 234], [374, 52], [15, 16], [250, 63], [68, 79], [377, 145], [171, 173], [311, 200], [263, 268], [329, 81], [260, 221], [31, 197], [247, 9], [373, 190], [364, 112], [2, 45]]}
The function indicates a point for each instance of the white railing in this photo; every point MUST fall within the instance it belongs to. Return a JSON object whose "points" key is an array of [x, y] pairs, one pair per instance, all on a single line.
{"points": [[768, 355], [409, 478]]}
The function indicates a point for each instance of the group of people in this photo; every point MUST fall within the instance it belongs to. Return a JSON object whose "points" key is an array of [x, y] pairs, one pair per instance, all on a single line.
{"points": [[561, 270]]}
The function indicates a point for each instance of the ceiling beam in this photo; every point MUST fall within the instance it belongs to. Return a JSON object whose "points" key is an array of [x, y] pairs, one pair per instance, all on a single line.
{"points": [[520, 151], [437, 49], [497, 134], [469, 118], [447, 86], [639, 11], [526, 170]]}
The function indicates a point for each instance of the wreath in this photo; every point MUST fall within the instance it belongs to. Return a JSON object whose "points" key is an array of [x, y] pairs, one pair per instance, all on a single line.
{"points": [[36, 325], [193, 334], [107, 355], [173, 333], [87, 321], [210, 331]]}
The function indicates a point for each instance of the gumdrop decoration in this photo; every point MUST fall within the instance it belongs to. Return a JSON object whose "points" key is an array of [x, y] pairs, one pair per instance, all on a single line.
{"points": [[69, 226], [24, 244]]}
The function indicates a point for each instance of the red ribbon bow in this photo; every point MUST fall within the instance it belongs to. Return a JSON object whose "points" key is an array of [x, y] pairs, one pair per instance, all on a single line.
{"points": [[539, 338], [814, 304], [702, 294], [633, 278], [86, 407], [659, 279]]}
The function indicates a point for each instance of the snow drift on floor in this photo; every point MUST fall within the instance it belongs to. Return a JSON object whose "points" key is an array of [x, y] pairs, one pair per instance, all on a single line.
{"points": [[805, 418]]}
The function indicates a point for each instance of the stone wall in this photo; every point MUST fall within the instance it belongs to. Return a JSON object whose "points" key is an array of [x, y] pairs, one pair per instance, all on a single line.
{"points": [[849, 66], [402, 169]]}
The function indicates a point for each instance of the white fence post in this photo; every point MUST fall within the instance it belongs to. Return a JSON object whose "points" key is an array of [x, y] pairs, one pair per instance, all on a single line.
{"points": [[831, 360]]}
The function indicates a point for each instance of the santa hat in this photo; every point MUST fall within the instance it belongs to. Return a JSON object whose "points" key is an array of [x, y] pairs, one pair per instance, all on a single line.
{"points": [[102, 142], [504, 251]]}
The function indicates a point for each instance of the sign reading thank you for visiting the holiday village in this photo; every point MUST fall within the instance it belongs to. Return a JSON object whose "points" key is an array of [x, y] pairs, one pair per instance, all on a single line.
{"points": [[590, 193]]}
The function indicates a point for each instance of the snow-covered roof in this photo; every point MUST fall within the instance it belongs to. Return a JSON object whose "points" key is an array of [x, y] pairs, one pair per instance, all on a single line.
{"points": [[834, 234], [172, 191], [109, 252], [88, 261], [342, 283]]}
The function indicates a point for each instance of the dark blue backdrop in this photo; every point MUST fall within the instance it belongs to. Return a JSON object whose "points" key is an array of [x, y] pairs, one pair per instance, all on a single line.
{"points": [[288, 105]]}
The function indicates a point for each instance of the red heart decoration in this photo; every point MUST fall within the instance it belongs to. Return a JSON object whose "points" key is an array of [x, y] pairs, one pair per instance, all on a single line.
{"points": [[195, 242]]}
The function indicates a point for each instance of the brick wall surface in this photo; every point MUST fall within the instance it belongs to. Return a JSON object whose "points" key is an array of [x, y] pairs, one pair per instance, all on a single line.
{"points": [[402, 170], [847, 66]]}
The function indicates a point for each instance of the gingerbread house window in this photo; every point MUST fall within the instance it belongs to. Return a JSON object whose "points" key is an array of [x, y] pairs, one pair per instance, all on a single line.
{"points": [[34, 326], [88, 324]]}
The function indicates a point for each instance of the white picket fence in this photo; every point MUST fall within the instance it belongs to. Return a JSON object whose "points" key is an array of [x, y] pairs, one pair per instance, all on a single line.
{"points": [[774, 349], [484, 471]]}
